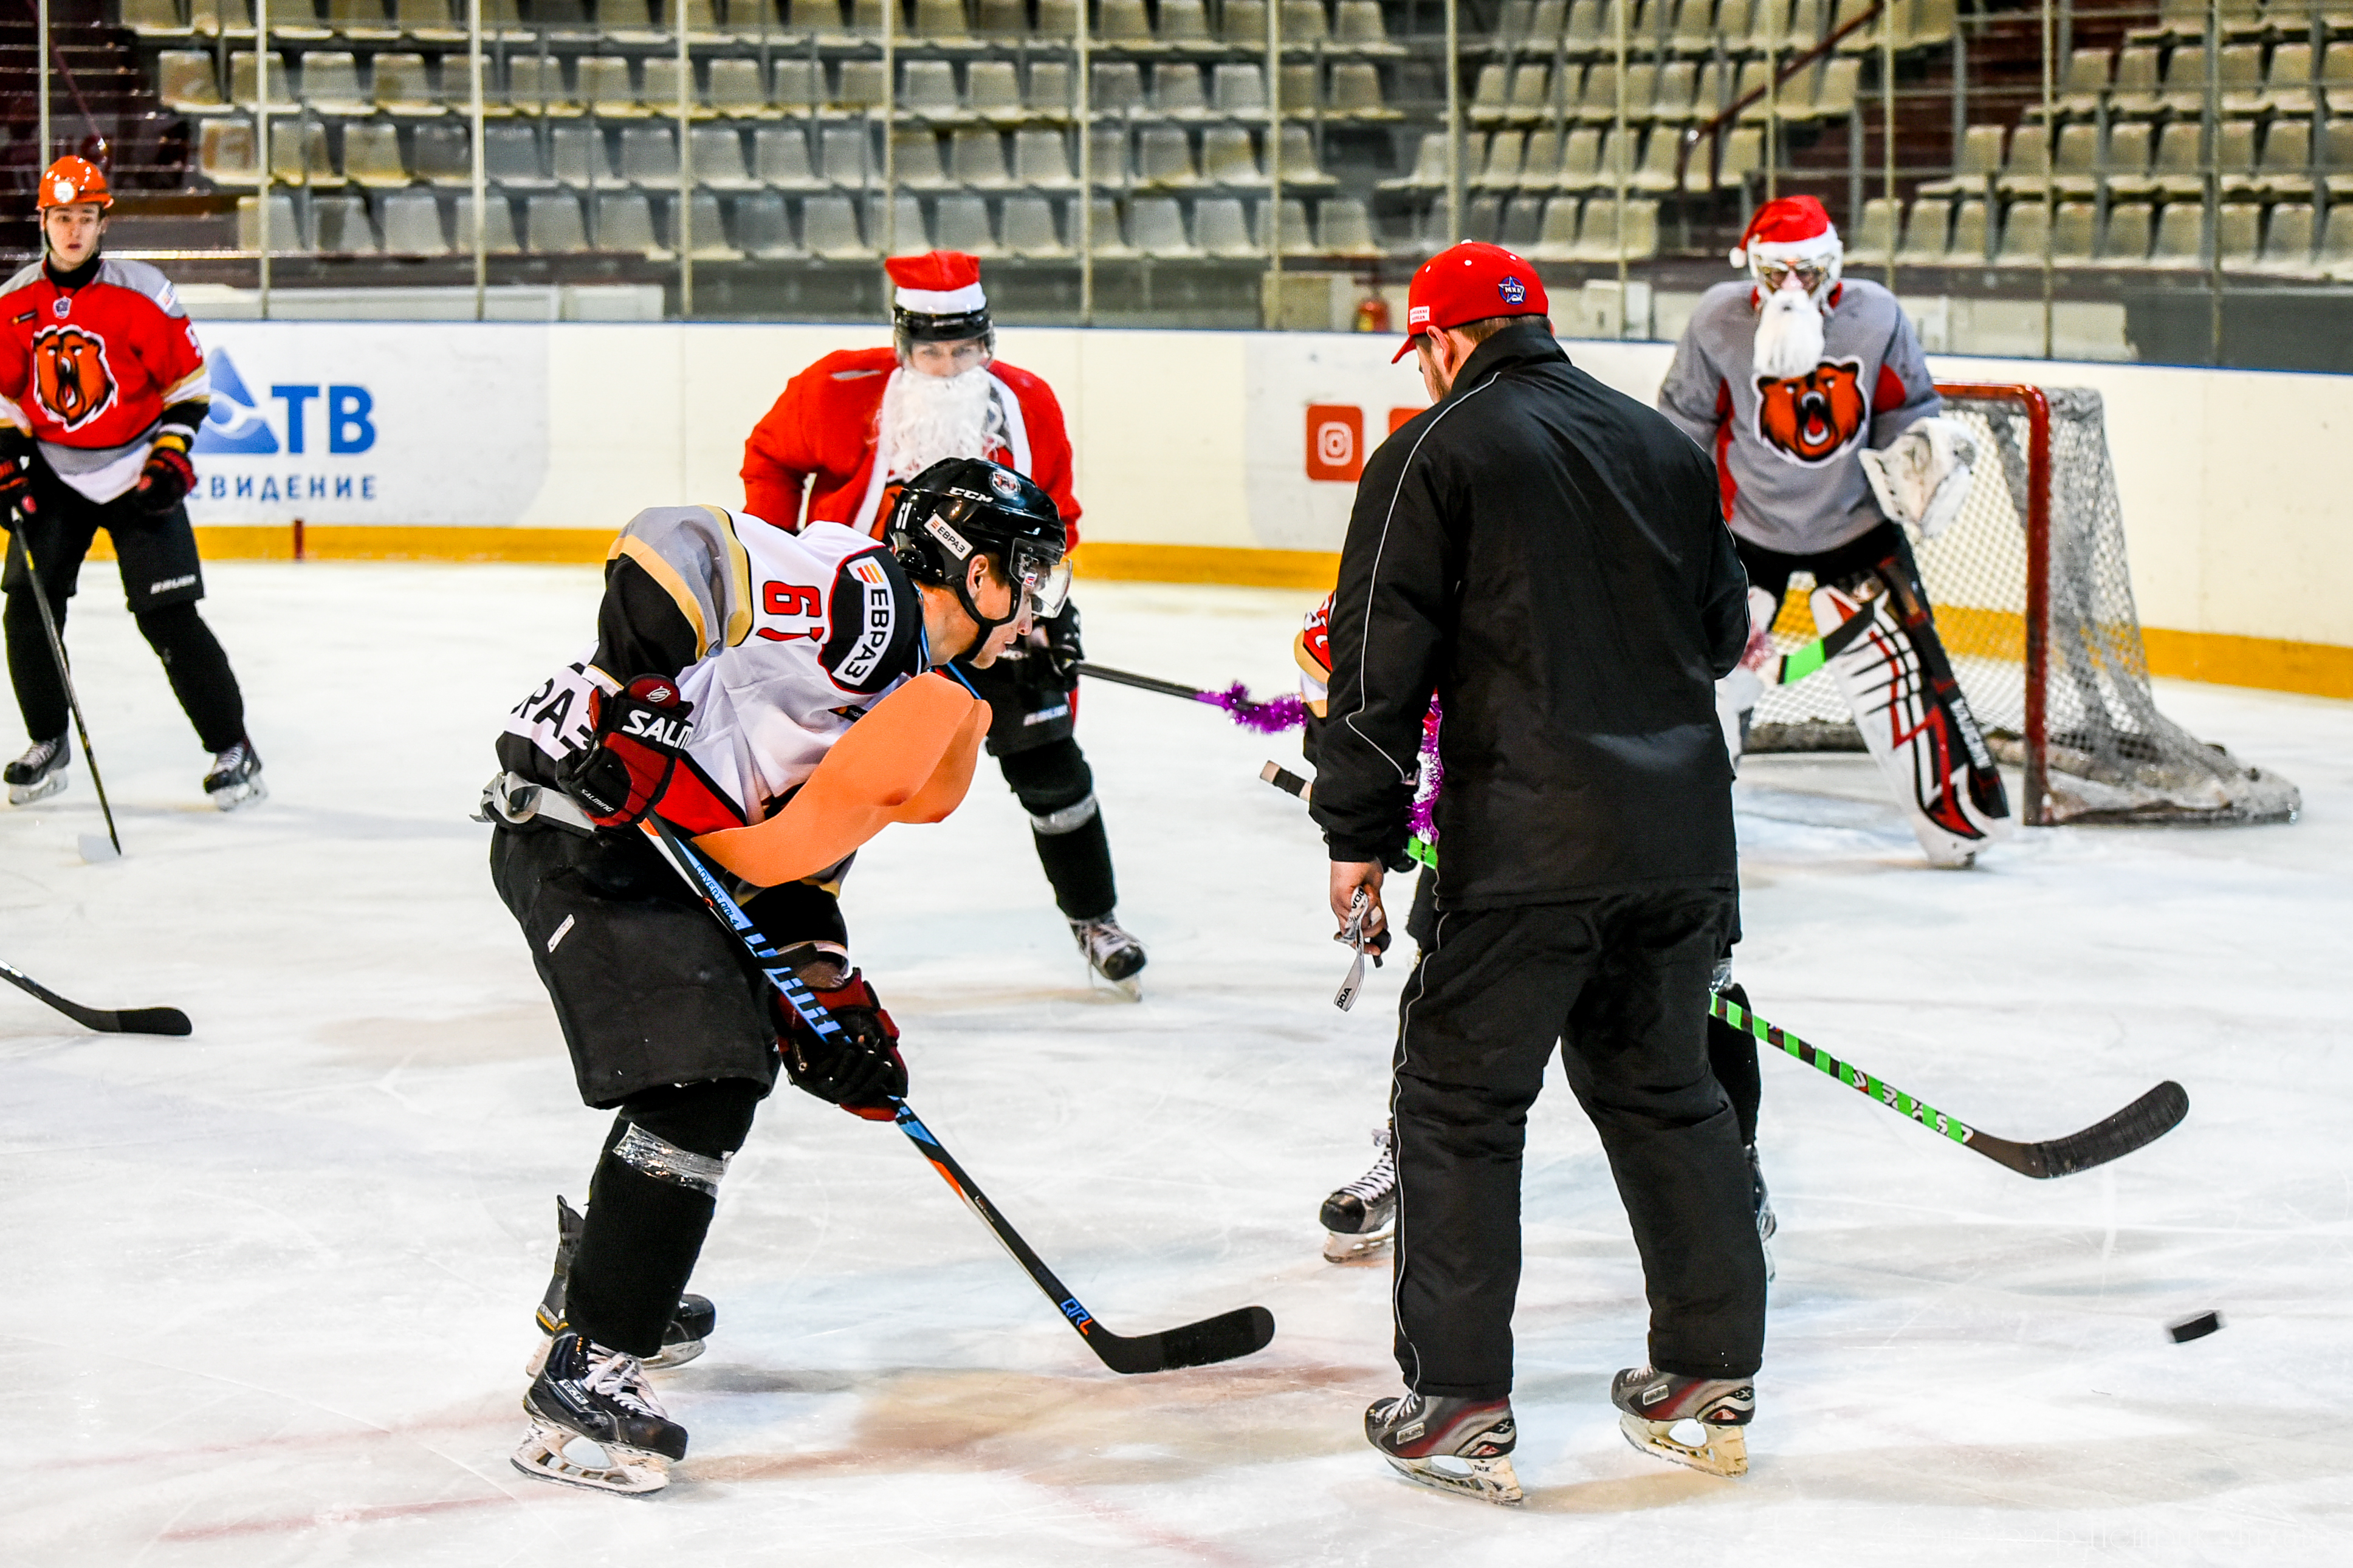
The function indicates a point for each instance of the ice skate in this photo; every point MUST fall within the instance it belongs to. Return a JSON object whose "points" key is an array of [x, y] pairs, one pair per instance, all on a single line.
{"points": [[1656, 1403], [1111, 953], [235, 778], [1454, 1445], [1360, 1219], [682, 1339], [1763, 1200], [39, 773], [587, 1394]]}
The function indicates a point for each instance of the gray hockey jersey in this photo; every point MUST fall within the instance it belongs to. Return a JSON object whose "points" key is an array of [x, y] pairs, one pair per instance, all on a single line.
{"points": [[1786, 451]]}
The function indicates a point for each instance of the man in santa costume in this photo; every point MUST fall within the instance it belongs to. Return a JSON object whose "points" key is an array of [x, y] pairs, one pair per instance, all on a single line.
{"points": [[854, 426], [1813, 394]]}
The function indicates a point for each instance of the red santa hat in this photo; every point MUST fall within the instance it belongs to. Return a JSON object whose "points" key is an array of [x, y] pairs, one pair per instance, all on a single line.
{"points": [[1794, 228], [937, 283]]}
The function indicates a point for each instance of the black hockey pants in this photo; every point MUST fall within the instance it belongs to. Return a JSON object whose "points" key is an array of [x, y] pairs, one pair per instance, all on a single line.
{"points": [[643, 1232], [1057, 788], [161, 584], [1621, 983]]}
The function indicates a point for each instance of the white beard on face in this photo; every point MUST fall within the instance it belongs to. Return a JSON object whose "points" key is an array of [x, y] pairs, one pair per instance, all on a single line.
{"points": [[933, 417], [1788, 334]]}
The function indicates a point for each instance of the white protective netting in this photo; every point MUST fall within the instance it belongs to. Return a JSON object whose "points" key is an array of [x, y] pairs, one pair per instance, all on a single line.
{"points": [[2108, 755]]}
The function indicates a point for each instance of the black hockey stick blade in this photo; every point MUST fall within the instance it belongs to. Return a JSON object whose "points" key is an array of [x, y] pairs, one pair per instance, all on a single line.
{"points": [[1228, 1336], [2136, 1126], [127, 1021]]}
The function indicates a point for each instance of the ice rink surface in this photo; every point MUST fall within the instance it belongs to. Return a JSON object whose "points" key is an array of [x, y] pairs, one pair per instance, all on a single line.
{"points": [[268, 1289]]}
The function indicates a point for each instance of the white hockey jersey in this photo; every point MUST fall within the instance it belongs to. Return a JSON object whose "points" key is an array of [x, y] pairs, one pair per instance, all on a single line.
{"points": [[794, 636]]}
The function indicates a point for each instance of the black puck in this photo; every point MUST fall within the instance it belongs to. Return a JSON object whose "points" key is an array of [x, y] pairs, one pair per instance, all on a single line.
{"points": [[2195, 1328]]}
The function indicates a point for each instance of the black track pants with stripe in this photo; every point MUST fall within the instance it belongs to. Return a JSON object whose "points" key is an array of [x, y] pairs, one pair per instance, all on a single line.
{"points": [[1621, 983]]}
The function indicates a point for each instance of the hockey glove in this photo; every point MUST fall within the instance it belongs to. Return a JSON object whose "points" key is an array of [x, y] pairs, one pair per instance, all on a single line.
{"points": [[15, 476], [622, 771], [1061, 642], [168, 476], [860, 1070]]}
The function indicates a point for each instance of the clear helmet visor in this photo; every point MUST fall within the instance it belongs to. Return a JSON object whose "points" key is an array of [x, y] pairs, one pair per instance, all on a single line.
{"points": [[1044, 578]]}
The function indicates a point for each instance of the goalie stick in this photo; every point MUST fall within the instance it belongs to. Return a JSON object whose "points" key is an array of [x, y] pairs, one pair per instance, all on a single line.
{"points": [[106, 1021], [1229, 1335], [2141, 1123]]}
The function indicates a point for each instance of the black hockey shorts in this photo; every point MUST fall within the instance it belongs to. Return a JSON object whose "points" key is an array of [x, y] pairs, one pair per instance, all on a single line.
{"points": [[1771, 570], [1028, 707], [157, 551], [648, 988]]}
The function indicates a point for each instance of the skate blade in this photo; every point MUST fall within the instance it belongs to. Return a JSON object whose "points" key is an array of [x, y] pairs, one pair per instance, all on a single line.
{"points": [[1726, 1452], [25, 795], [678, 1354], [1489, 1480], [1342, 1248], [237, 796], [630, 1472], [1131, 988]]}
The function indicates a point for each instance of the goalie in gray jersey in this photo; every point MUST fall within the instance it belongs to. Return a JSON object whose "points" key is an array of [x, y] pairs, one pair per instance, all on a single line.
{"points": [[1813, 395]]}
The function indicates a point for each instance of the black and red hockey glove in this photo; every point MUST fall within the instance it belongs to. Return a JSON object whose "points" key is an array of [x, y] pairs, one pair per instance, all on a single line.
{"points": [[15, 476], [168, 476], [641, 730], [860, 1068]]}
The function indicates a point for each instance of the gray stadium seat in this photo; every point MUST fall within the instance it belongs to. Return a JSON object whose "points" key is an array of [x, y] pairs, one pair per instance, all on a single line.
{"points": [[1429, 171], [285, 233], [1156, 226], [1556, 236], [1176, 88], [372, 156], [2287, 239], [411, 224], [403, 86], [928, 89], [918, 166], [1183, 21], [1237, 88], [976, 159], [341, 226], [1875, 238], [1296, 239], [1229, 157], [1041, 160], [1344, 226], [706, 231], [717, 159], [963, 224], [498, 233], [225, 153], [1030, 229], [1927, 232], [847, 159], [800, 86], [577, 155], [649, 155], [736, 88], [1001, 18], [1967, 248], [1221, 227], [829, 228], [331, 82], [2025, 229], [1049, 91], [625, 222], [244, 79], [2125, 240], [186, 82], [780, 158], [552, 220], [1118, 86], [993, 88], [1163, 157], [764, 228]]}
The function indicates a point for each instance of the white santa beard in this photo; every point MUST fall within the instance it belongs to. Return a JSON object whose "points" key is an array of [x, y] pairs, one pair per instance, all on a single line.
{"points": [[928, 419], [1788, 334]]}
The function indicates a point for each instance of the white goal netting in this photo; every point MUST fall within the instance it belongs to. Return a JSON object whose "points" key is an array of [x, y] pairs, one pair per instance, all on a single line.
{"points": [[2095, 749]]}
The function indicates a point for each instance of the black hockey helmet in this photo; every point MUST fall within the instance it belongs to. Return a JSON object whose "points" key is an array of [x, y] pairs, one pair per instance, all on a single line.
{"points": [[937, 297], [962, 505]]}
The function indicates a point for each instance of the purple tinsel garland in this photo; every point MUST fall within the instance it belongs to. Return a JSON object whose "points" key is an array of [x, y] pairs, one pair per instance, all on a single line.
{"points": [[1269, 718], [1434, 777]]}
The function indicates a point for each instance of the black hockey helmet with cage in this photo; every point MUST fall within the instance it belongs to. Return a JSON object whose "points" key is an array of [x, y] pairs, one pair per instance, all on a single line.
{"points": [[960, 506], [937, 297]]}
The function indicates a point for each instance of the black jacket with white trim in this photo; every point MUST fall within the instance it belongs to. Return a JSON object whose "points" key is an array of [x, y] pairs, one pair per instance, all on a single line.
{"points": [[1550, 558]]}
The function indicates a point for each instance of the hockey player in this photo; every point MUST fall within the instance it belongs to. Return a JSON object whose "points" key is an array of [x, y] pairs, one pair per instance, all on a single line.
{"points": [[859, 422], [1359, 1217], [102, 389], [1812, 394], [781, 697]]}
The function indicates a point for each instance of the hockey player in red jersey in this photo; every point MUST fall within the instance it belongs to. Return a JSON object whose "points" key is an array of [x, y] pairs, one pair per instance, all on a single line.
{"points": [[1813, 394], [102, 389], [782, 698], [859, 422]]}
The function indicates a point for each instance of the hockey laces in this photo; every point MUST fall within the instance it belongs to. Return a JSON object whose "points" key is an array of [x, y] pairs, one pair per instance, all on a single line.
{"points": [[1382, 1176], [1360, 941], [618, 1377]]}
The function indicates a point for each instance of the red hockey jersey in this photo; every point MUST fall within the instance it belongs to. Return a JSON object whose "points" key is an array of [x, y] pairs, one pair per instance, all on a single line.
{"points": [[821, 438], [87, 370]]}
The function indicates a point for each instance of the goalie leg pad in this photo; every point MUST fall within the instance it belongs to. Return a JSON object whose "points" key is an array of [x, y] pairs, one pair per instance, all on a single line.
{"points": [[1917, 728]]}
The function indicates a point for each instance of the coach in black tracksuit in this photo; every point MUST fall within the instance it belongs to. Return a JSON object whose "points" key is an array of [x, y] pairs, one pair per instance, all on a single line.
{"points": [[1549, 557]]}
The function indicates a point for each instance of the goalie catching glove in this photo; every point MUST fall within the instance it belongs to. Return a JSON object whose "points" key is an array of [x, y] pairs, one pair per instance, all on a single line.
{"points": [[860, 1068], [623, 770]]}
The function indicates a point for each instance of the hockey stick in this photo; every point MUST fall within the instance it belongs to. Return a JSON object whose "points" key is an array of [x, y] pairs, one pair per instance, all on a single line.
{"points": [[57, 652], [1225, 1337], [1802, 661], [1271, 717], [128, 1021], [2142, 1122]]}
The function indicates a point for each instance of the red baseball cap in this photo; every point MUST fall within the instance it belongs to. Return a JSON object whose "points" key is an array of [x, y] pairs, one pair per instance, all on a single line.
{"points": [[1470, 282]]}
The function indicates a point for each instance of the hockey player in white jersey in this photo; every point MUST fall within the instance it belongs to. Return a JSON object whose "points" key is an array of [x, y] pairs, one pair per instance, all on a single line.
{"points": [[1813, 394], [780, 697]]}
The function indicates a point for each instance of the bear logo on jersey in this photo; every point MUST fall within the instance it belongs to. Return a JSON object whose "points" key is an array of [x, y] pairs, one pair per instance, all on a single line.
{"points": [[71, 375], [1810, 418]]}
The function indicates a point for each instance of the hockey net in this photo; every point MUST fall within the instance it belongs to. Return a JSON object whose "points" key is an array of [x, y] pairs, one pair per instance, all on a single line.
{"points": [[2033, 600]]}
